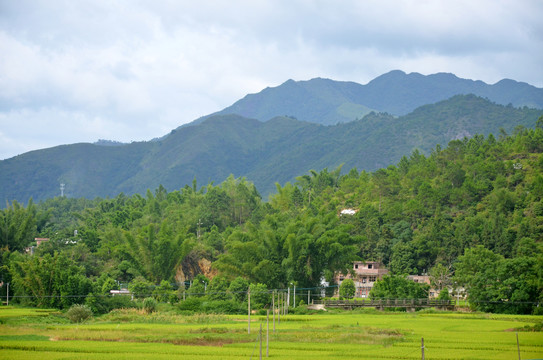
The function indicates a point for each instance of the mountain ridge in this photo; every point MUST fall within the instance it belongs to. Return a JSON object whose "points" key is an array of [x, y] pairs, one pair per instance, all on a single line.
{"points": [[277, 150], [395, 92]]}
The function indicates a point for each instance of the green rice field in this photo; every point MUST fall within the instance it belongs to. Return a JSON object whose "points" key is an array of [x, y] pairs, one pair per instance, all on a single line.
{"points": [[130, 334]]}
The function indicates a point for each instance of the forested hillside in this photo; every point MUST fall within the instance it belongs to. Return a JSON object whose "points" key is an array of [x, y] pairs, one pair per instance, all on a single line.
{"points": [[277, 150], [473, 210]]}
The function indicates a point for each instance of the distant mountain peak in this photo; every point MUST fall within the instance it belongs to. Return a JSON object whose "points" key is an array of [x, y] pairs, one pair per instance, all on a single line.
{"points": [[325, 101]]}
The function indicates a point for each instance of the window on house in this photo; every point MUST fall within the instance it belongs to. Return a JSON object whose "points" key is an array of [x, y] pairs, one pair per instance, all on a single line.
{"points": [[341, 278], [356, 266], [373, 278], [370, 266], [364, 280]]}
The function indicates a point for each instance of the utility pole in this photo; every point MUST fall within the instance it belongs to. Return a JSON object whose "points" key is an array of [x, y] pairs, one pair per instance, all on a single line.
{"points": [[260, 341], [7, 303], [267, 332], [278, 309], [294, 305], [249, 311], [422, 347], [273, 309], [288, 296]]}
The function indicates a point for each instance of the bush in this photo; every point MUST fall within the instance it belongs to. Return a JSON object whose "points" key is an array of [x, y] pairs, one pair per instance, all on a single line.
{"points": [[163, 292], [173, 299], [444, 295], [79, 313], [104, 304], [347, 289], [230, 307], [140, 287], [149, 305], [191, 304]]}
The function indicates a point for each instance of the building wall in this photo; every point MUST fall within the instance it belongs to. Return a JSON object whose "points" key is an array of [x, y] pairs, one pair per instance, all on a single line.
{"points": [[365, 274]]}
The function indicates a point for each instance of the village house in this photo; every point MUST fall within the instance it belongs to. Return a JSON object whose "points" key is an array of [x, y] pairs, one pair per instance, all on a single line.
{"points": [[424, 279], [364, 275], [39, 241]]}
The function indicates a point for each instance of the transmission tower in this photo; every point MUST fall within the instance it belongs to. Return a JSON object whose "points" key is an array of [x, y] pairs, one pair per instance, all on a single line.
{"points": [[62, 190]]}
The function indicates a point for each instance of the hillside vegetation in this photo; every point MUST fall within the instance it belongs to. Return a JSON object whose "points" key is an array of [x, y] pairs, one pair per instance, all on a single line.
{"points": [[472, 210], [277, 150]]}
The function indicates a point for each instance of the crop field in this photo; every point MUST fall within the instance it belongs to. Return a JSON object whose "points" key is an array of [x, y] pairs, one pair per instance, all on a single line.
{"points": [[130, 334]]}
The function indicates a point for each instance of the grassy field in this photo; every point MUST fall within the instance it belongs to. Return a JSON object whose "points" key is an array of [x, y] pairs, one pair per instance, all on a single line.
{"points": [[130, 334]]}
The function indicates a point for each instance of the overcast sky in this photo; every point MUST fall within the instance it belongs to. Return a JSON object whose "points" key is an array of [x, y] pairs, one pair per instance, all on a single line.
{"points": [[82, 70]]}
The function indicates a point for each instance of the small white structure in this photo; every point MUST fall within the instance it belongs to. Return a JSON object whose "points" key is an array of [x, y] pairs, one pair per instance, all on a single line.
{"points": [[124, 292]]}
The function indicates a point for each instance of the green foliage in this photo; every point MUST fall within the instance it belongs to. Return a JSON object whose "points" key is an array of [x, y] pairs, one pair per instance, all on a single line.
{"points": [[156, 251], [231, 307], [150, 305], [398, 287], [347, 289], [473, 209], [101, 304], [260, 297], [79, 313], [218, 288], [140, 288], [490, 278], [265, 152], [163, 292], [444, 295], [191, 304], [199, 285], [108, 284], [49, 281], [353, 334], [238, 289], [17, 226]]}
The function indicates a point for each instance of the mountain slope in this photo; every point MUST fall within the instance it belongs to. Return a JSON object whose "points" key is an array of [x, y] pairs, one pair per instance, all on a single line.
{"points": [[264, 152], [329, 102]]}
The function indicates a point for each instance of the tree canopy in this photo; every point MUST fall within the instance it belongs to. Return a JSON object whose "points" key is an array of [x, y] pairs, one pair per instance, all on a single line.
{"points": [[470, 213]]}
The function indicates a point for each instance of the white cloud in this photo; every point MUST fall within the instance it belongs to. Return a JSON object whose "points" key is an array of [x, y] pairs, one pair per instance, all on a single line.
{"points": [[75, 71]]}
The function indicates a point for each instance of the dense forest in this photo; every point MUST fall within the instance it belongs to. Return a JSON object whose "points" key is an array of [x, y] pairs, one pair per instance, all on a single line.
{"points": [[472, 212]]}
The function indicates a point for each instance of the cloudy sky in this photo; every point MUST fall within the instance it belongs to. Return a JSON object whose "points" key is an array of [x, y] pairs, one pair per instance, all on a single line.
{"points": [[82, 70]]}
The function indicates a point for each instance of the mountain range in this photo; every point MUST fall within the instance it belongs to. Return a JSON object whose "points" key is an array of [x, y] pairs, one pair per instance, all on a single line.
{"points": [[281, 133], [329, 102]]}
